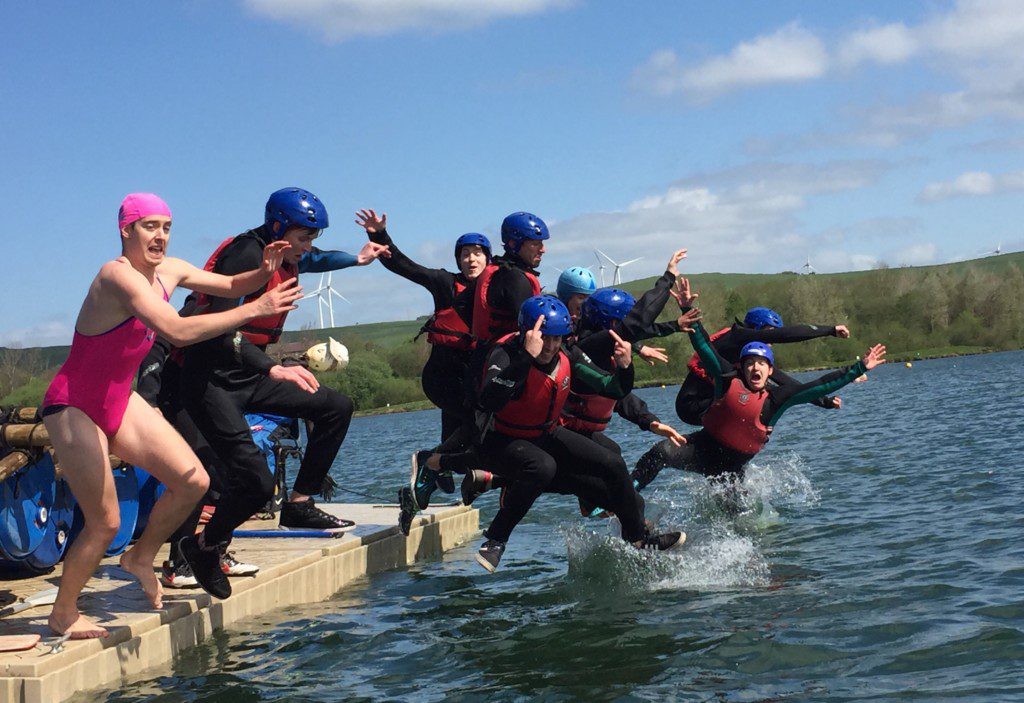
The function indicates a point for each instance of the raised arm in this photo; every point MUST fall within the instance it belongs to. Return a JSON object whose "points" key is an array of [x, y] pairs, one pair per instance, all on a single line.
{"points": [[135, 294], [240, 285], [398, 262], [829, 383]]}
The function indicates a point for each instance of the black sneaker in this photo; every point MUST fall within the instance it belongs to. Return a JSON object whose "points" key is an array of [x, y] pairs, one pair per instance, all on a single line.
{"points": [[446, 482], [232, 567], [408, 511], [476, 483], [662, 542], [205, 566], [490, 554], [304, 515], [423, 480], [177, 575]]}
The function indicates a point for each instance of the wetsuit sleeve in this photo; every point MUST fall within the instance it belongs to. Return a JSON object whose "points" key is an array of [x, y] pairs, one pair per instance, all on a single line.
{"points": [[239, 259], [713, 364], [784, 379], [610, 385], [634, 409], [781, 335], [147, 384], [639, 322], [504, 375], [783, 398], [437, 281], [319, 261]]}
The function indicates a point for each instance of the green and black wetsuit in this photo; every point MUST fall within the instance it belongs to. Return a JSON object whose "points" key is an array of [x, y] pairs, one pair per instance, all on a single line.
{"points": [[715, 451]]}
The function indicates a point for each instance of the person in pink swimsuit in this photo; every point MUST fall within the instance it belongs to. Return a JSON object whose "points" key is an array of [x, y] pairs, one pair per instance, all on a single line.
{"points": [[91, 411]]}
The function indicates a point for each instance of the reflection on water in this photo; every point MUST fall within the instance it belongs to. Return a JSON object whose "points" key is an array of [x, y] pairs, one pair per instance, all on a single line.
{"points": [[875, 554]]}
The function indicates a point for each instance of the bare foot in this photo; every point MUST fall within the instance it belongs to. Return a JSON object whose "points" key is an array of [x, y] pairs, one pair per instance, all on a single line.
{"points": [[80, 627], [147, 578]]}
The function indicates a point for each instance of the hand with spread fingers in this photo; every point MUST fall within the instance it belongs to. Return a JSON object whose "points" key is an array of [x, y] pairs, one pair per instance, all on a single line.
{"points": [[673, 263], [371, 222], [652, 354], [660, 428], [273, 256]]}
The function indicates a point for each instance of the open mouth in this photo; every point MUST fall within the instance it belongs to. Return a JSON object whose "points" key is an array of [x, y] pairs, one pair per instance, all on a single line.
{"points": [[156, 249]]}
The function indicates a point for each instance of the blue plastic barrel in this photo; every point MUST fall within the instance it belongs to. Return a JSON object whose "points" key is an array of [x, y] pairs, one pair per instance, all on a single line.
{"points": [[26, 498], [128, 505], [58, 530], [149, 491]]}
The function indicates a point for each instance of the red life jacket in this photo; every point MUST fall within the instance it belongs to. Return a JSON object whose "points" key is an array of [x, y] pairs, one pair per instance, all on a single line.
{"points": [[448, 327], [490, 323], [734, 420], [535, 412], [263, 330], [587, 412], [694, 364]]}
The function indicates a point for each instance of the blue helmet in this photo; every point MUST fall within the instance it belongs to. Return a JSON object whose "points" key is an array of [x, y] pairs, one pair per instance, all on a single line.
{"points": [[762, 317], [472, 238], [606, 305], [295, 207], [758, 349], [520, 226], [575, 280], [556, 316]]}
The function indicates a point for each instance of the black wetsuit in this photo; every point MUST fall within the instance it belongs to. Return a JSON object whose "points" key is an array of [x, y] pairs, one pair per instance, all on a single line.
{"points": [[509, 287], [225, 377], [696, 394], [445, 373], [559, 461], [703, 453]]}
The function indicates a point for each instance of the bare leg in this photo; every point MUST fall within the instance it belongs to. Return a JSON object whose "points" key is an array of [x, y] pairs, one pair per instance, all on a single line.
{"points": [[146, 439], [82, 451]]}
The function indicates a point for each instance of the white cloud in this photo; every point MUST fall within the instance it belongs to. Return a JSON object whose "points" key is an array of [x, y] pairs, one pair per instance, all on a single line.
{"points": [[788, 55], [741, 219], [973, 183], [892, 43], [337, 20], [45, 334]]}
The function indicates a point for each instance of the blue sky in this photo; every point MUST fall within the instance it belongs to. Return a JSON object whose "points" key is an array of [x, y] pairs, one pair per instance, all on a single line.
{"points": [[756, 134]]}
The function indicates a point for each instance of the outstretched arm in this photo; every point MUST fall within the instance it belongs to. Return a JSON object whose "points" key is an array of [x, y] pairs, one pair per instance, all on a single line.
{"points": [[829, 383], [182, 273], [398, 262]]}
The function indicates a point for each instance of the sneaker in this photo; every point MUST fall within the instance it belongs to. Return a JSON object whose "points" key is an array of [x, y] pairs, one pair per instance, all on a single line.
{"points": [[662, 542], [490, 554], [177, 575], [423, 480], [408, 509], [446, 482], [304, 515], [476, 483], [232, 567], [205, 567]]}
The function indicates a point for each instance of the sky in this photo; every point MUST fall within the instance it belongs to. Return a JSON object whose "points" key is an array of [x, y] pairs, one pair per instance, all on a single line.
{"points": [[757, 135]]}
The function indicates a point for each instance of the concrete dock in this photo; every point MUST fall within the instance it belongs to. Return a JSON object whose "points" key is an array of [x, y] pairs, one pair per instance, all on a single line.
{"points": [[293, 571]]}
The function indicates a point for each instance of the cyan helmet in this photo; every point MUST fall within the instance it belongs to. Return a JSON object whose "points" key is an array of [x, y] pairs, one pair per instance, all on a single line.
{"points": [[472, 238], [573, 281], [758, 349], [606, 306], [556, 316], [762, 317], [520, 226], [295, 207]]}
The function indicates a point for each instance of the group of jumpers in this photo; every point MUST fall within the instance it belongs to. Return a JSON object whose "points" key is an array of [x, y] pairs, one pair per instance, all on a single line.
{"points": [[526, 384]]}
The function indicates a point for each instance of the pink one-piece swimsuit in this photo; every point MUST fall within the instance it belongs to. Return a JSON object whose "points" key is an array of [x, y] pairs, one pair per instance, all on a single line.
{"points": [[97, 376]]}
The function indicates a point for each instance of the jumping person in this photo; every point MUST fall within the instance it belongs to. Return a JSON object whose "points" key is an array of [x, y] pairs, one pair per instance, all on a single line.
{"points": [[760, 324], [232, 374], [90, 410], [525, 384], [744, 411], [510, 278], [449, 333]]}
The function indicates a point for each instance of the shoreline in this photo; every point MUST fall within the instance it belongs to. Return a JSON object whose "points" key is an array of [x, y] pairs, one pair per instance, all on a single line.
{"points": [[418, 405]]}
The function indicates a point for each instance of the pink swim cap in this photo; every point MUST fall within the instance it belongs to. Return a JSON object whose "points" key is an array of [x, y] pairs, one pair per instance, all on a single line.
{"points": [[135, 206]]}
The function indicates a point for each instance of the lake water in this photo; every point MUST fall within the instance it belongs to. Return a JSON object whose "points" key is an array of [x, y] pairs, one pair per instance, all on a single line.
{"points": [[882, 559]]}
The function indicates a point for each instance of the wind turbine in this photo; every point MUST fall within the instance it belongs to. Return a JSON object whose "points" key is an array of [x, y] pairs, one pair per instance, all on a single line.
{"points": [[999, 249], [807, 267], [600, 267], [616, 276], [325, 295]]}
